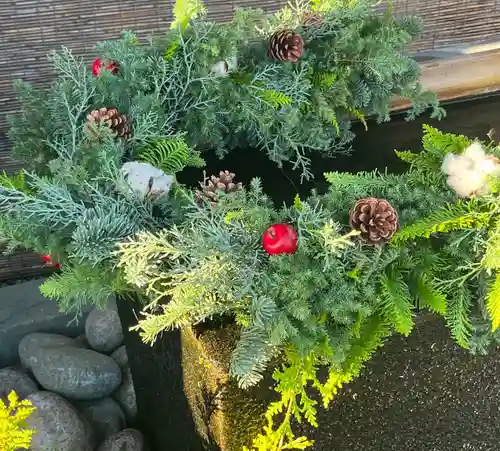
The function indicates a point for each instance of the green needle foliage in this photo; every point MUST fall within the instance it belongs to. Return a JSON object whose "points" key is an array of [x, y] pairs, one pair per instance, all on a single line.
{"points": [[335, 300], [352, 65]]}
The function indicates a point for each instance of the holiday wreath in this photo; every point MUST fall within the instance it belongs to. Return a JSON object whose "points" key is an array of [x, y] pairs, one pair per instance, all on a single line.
{"points": [[318, 283]]}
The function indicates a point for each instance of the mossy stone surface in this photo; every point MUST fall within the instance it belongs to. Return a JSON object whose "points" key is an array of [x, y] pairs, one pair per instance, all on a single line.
{"points": [[227, 416]]}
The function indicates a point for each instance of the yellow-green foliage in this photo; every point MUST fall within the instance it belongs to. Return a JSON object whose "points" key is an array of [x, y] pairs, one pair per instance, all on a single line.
{"points": [[185, 11], [14, 434], [493, 303], [491, 258], [15, 181], [275, 98], [295, 378]]}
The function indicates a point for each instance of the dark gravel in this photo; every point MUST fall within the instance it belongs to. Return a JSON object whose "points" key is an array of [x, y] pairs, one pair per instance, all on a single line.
{"points": [[421, 393]]}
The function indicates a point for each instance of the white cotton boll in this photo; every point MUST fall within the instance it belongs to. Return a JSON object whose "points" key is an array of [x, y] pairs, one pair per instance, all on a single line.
{"points": [[465, 184], [232, 63], [220, 68], [475, 152], [487, 166], [146, 180], [454, 164]]}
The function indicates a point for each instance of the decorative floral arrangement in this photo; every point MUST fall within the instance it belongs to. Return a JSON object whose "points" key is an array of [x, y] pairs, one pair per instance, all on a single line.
{"points": [[102, 145], [321, 282], [324, 281]]}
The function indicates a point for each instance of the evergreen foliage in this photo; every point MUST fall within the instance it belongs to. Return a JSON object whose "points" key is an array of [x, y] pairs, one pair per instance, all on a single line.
{"points": [[14, 434], [334, 301], [352, 66], [73, 202]]}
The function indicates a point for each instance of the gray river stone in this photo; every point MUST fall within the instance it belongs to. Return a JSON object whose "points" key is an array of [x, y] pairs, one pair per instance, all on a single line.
{"points": [[125, 395], [31, 345], [126, 440], [120, 356], [58, 425], [15, 379], [103, 328], [79, 374], [105, 415], [23, 311]]}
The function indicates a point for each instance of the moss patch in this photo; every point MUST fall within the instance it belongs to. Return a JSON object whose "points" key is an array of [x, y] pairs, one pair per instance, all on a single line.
{"points": [[227, 416]]}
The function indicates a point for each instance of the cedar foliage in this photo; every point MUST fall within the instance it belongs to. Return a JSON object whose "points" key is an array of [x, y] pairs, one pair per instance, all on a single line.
{"points": [[352, 66], [335, 300], [72, 201]]}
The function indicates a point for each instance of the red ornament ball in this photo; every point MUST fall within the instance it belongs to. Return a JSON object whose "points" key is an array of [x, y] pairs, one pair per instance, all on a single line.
{"points": [[49, 262], [280, 239], [99, 64]]}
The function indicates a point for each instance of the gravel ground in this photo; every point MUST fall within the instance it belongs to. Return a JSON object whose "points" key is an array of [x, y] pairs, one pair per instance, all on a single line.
{"points": [[420, 393]]}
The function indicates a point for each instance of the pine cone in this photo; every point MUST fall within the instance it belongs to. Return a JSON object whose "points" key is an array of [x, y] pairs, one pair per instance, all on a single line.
{"points": [[375, 218], [286, 45], [224, 182], [310, 19], [111, 118]]}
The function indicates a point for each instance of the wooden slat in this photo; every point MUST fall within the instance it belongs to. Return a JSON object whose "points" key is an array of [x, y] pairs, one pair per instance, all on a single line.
{"points": [[9, 165], [463, 76]]}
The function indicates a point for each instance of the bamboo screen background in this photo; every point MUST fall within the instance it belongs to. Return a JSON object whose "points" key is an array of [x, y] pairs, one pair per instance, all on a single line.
{"points": [[31, 28]]}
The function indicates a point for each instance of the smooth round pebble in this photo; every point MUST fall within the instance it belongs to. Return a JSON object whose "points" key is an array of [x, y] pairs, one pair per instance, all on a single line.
{"points": [[125, 395], [79, 374], [105, 415], [58, 425], [30, 345], [14, 379], [103, 328], [126, 440], [120, 357]]}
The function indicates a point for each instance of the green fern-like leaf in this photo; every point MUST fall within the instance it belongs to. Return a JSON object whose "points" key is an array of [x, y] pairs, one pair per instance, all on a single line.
{"points": [[493, 303], [395, 303], [430, 296], [171, 155], [457, 316], [437, 142], [491, 258], [325, 112], [324, 80], [16, 181], [436, 146], [459, 216], [275, 98]]}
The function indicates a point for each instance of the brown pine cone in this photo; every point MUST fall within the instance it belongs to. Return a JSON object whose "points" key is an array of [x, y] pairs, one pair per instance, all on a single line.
{"points": [[112, 118], [286, 45], [310, 19], [224, 182], [376, 219]]}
